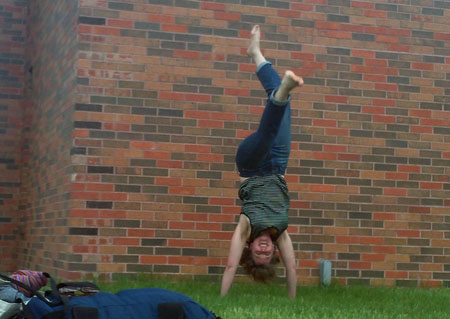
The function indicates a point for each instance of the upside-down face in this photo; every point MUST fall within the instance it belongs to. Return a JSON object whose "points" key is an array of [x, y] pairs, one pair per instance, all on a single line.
{"points": [[262, 249]]}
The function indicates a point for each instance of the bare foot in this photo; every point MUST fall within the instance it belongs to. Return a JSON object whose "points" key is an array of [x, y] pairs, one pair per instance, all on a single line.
{"points": [[289, 82], [254, 50], [255, 36]]}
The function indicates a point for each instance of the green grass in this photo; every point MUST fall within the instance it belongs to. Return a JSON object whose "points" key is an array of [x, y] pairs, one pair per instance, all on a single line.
{"points": [[255, 301]]}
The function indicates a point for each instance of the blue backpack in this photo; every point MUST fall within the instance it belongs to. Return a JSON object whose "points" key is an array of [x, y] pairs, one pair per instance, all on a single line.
{"points": [[142, 303]]}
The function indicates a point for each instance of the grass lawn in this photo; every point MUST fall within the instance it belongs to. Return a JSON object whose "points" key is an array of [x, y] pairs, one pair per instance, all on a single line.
{"points": [[255, 301]]}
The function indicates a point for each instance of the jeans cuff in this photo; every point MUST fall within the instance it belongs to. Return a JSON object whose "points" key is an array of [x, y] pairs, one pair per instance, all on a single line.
{"points": [[260, 66], [278, 102]]}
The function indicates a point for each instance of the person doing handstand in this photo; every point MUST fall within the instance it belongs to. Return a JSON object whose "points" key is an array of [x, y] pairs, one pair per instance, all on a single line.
{"points": [[261, 160]]}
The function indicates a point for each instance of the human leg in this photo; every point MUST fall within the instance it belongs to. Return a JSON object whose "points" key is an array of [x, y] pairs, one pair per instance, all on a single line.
{"points": [[270, 144]]}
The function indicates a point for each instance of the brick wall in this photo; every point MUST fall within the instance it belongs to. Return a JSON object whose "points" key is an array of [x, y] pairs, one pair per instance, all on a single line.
{"points": [[45, 202], [165, 94], [12, 49]]}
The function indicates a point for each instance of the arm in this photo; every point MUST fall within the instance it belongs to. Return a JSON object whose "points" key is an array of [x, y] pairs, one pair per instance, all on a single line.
{"points": [[287, 255], [238, 241]]}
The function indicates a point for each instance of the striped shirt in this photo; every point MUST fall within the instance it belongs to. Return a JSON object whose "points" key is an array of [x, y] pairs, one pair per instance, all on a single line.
{"points": [[265, 201]]}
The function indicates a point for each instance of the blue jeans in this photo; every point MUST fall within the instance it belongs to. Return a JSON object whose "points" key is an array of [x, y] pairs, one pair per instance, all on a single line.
{"points": [[266, 151], [9, 294]]}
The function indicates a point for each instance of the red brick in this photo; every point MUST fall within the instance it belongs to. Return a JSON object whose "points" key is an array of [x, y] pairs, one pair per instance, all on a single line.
{"points": [[161, 18], [190, 148], [302, 56], [314, 65], [198, 97], [289, 14], [302, 6], [363, 53], [383, 102], [174, 28], [374, 78], [197, 114], [375, 14], [153, 259], [408, 233], [237, 92], [227, 16], [409, 168], [371, 241], [182, 190], [221, 201], [428, 185], [119, 23], [105, 31], [399, 48], [247, 68], [359, 265], [373, 110], [327, 25], [168, 181], [113, 196], [171, 96], [210, 123], [141, 233], [195, 217], [169, 164], [85, 195], [308, 263], [334, 34], [220, 235], [143, 145], [221, 218], [299, 204], [180, 243], [180, 260], [384, 119], [84, 213], [325, 156], [362, 5], [223, 116], [336, 99], [322, 188], [213, 6], [208, 226], [395, 191], [127, 241], [322, 122], [376, 62], [442, 36], [352, 28], [112, 214], [433, 122], [334, 148], [215, 158], [386, 87], [181, 225], [422, 66], [396, 274], [337, 132]]}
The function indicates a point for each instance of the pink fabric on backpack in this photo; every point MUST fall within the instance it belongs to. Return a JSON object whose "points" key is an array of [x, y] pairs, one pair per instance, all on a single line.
{"points": [[34, 279]]}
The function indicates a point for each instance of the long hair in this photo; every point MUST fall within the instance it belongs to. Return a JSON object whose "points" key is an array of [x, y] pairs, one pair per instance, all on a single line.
{"points": [[261, 273]]}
